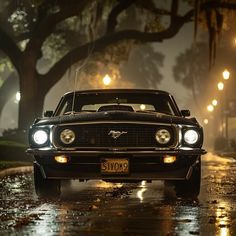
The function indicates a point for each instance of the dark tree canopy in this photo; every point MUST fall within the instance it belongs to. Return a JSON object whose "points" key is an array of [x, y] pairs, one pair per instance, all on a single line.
{"points": [[142, 67], [191, 67], [29, 30], [192, 70]]}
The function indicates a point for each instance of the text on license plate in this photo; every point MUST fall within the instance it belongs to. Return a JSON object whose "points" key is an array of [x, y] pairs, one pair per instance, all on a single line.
{"points": [[114, 166]]}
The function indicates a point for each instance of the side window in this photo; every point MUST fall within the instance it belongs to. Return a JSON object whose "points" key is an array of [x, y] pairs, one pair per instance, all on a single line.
{"points": [[171, 112], [164, 106]]}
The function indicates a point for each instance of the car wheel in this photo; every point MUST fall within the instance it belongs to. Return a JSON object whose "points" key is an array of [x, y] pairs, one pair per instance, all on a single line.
{"points": [[190, 187], [45, 188]]}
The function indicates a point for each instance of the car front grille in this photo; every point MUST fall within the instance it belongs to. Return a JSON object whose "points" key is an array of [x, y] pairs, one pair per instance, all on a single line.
{"points": [[100, 135]]}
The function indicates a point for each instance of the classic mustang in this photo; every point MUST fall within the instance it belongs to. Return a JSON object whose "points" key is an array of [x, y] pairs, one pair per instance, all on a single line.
{"points": [[118, 135]]}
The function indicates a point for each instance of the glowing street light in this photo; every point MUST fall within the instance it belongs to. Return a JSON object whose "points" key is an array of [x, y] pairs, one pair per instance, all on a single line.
{"points": [[106, 80], [206, 121], [142, 107], [210, 108], [214, 102], [18, 96], [220, 86], [226, 74]]}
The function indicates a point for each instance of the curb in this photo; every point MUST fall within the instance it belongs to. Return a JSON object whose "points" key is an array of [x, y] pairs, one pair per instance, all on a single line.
{"points": [[226, 154], [16, 170]]}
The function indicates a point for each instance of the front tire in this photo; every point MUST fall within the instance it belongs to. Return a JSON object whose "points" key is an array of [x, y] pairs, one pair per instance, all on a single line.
{"points": [[45, 188], [190, 187]]}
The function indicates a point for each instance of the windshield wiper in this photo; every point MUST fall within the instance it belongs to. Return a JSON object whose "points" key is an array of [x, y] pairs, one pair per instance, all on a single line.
{"points": [[150, 111], [146, 111]]}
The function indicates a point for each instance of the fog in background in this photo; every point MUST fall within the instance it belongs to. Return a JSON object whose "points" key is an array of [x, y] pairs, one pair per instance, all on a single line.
{"points": [[169, 48]]}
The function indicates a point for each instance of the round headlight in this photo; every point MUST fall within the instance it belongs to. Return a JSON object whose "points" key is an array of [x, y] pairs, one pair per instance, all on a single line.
{"points": [[163, 136], [40, 137], [191, 136], [67, 136]]}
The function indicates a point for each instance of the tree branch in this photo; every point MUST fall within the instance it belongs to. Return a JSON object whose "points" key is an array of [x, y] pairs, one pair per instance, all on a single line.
{"points": [[8, 89], [174, 9], [46, 26], [218, 4], [80, 53], [152, 8], [112, 18], [209, 5], [9, 47], [58, 70]]}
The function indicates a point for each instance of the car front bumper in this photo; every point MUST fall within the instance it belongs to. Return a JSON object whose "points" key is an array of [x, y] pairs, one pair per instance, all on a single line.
{"points": [[143, 164]]}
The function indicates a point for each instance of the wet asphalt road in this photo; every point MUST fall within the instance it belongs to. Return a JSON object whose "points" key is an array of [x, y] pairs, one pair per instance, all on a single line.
{"points": [[99, 208]]}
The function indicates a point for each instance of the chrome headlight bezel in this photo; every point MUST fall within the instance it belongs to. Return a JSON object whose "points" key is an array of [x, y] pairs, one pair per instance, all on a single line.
{"points": [[163, 136], [67, 136], [40, 137]]}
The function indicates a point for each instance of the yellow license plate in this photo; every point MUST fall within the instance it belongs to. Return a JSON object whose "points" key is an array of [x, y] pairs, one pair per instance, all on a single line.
{"points": [[114, 166]]}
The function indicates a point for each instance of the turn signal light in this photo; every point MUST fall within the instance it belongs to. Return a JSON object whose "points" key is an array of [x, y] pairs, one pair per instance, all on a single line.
{"points": [[61, 159], [169, 159]]}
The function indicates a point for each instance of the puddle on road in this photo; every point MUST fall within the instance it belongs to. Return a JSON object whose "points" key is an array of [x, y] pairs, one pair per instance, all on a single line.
{"points": [[98, 207]]}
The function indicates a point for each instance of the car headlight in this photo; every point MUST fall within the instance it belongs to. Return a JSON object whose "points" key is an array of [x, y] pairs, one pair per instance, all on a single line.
{"points": [[67, 136], [163, 136], [191, 136], [40, 137]]}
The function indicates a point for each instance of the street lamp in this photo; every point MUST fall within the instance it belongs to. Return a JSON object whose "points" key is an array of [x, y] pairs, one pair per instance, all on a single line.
{"points": [[142, 107], [220, 86], [18, 96], [206, 121], [214, 102], [210, 108], [226, 74], [106, 80]]}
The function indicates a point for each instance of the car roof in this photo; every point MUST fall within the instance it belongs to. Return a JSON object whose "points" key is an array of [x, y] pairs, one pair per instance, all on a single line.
{"points": [[152, 91]]}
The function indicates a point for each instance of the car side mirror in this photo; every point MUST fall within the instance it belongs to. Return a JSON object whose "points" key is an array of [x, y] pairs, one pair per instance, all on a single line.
{"points": [[48, 113], [185, 113]]}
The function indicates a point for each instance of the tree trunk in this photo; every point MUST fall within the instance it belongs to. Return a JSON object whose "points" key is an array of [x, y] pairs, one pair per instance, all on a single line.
{"points": [[8, 90], [32, 97], [31, 103]]}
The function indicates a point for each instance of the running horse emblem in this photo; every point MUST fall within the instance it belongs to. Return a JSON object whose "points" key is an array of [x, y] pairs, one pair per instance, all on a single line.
{"points": [[116, 134]]}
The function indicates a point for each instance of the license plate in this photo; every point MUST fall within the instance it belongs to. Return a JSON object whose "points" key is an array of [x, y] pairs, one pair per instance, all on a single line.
{"points": [[114, 166]]}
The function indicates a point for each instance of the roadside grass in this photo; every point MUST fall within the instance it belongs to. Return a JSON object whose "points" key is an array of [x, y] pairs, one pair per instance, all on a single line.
{"points": [[11, 164], [12, 153], [10, 143]]}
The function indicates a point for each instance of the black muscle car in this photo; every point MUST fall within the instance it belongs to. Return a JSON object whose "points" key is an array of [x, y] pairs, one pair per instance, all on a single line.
{"points": [[118, 135]]}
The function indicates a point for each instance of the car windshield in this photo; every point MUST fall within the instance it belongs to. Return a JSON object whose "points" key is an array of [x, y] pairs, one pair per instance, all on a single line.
{"points": [[133, 102]]}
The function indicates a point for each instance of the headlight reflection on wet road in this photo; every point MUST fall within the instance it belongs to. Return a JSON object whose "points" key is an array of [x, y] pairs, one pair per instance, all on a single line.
{"points": [[142, 190], [223, 219], [103, 184], [221, 182], [102, 208]]}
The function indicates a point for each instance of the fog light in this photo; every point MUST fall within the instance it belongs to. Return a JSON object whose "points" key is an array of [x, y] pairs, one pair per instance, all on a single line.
{"points": [[61, 159], [169, 159]]}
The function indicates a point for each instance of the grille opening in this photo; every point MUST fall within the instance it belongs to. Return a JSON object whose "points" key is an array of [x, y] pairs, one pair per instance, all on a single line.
{"points": [[122, 135]]}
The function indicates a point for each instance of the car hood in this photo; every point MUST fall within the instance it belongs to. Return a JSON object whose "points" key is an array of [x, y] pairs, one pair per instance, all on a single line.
{"points": [[115, 116]]}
